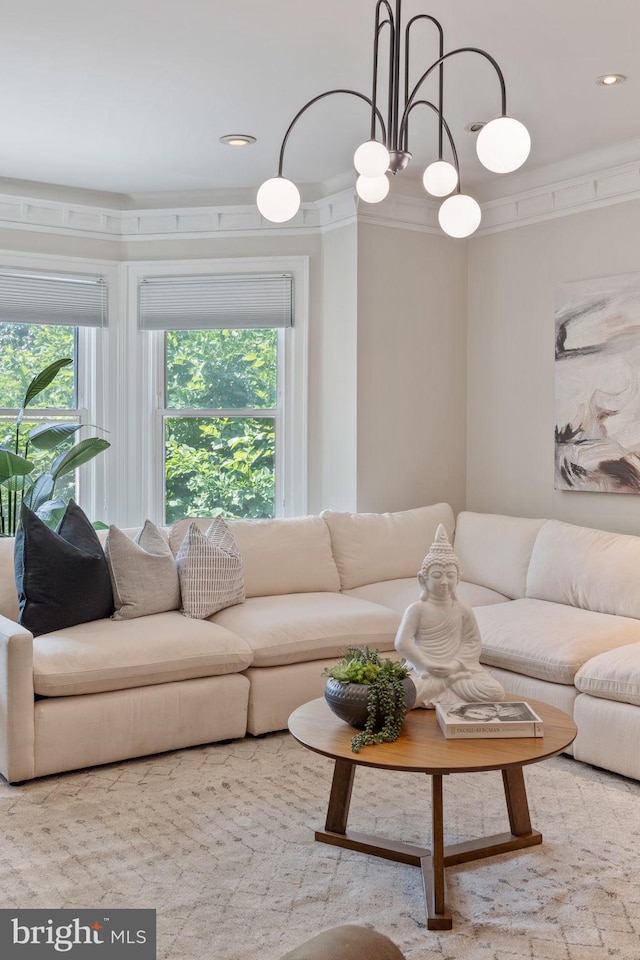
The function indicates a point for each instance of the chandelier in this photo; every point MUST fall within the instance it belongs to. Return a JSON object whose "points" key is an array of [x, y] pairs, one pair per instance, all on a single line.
{"points": [[502, 145]]}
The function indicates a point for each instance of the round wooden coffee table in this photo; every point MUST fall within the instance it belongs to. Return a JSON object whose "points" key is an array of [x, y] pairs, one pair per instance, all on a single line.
{"points": [[423, 748]]}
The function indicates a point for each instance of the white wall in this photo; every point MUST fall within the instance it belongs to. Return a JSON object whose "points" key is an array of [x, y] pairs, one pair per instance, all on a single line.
{"points": [[31, 241], [411, 368], [512, 280], [334, 347]]}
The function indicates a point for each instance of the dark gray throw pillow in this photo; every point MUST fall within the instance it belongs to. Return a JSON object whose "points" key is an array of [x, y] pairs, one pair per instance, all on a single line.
{"points": [[62, 576]]}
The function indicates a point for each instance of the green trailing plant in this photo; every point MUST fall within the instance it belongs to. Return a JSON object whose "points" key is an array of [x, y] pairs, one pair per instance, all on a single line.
{"points": [[385, 697], [17, 483]]}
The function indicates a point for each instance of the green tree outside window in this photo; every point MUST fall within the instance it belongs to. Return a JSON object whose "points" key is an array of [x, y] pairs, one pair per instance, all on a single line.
{"points": [[220, 464]]}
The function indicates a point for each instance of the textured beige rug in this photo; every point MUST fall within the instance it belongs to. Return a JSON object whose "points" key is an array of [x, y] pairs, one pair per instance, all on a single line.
{"points": [[219, 840]]}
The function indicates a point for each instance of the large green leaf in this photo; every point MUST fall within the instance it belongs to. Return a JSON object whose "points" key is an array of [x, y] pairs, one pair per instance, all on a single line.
{"points": [[11, 465], [81, 453], [42, 380], [51, 512], [16, 484], [40, 492], [50, 435]]}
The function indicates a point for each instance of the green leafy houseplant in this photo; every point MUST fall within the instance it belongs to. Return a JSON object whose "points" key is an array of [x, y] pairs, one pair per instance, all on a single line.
{"points": [[17, 485], [389, 693]]}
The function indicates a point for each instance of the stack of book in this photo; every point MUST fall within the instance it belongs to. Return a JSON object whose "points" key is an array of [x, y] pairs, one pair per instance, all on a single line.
{"points": [[508, 718]]}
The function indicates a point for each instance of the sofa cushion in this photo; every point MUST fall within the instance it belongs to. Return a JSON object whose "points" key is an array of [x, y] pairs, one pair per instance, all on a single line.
{"points": [[117, 654], [494, 551], [288, 555], [475, 595], [210, 570], [398, 594], [395, 594], [295, 627], [143, 572], [586, 568], [614, 675], [550, 641], [62, 576], [369, 547]]}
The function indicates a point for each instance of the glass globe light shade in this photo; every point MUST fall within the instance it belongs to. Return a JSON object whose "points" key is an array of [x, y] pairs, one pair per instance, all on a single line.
{"points": [[440, 178], [278, 199], [372, 189], [503, 145], [459, 215], [371, 159]]}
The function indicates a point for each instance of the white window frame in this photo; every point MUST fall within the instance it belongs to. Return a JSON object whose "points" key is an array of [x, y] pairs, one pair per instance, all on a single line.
{"points": [[145, 351], [93, 360]]}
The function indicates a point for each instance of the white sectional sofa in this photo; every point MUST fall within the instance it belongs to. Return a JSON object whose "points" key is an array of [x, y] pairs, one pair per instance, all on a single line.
{"points": [[556, 604]]}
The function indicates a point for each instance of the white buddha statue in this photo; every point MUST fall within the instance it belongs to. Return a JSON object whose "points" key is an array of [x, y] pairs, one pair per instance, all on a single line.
{"points": [[439, 636]]}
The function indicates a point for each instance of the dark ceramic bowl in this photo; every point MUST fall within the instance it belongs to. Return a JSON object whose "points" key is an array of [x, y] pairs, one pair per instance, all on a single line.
{"points": [[349, 701]]}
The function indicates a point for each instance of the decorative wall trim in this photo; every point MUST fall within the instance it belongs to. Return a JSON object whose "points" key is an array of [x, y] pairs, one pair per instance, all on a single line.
{"points": [[53, 216], [242, 220], [565, 198], [194, 223], [616, 185]]}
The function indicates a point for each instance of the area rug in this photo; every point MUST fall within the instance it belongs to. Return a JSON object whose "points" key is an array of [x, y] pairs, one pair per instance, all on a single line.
{"points": [[219, 841]]}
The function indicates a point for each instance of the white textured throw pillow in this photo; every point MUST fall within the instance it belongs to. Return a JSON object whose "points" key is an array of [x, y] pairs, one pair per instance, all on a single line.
{"points": [[210, 570], [143, 573]]}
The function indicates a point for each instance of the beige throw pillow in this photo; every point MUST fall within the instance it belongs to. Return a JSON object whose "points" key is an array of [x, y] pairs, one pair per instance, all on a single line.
{"points": [[143, 573], [210, 570]]}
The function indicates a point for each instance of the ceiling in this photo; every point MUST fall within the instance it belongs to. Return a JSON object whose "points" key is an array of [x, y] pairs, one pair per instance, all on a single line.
{"points": [[131, 96]]}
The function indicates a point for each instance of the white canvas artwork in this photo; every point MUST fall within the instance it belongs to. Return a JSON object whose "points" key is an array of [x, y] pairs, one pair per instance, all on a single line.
{"points": [[597, 385]]}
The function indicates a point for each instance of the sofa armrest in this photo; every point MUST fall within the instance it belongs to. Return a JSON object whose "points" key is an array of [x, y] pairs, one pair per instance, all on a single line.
{"points": [[17, 727]]}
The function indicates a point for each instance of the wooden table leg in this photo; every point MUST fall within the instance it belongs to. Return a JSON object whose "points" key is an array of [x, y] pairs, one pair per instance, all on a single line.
{"points": [[432, 862], [335, 830], [340, 798], [517, 804], [435, 889]]}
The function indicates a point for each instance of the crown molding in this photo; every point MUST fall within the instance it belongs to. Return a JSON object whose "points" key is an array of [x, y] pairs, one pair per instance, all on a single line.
{"points": [[59, 217], [589, 192], [619, 184]]}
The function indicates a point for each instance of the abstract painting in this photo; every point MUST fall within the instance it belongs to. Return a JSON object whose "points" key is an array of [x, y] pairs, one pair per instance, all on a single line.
{"points": [[597, 385]]}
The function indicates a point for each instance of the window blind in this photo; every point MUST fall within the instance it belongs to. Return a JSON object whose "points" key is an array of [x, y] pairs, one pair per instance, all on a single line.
{"points": [[216, 302], [63, 300]]}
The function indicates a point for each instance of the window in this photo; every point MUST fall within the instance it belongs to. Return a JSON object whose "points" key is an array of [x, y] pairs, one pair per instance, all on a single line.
{"points": [[221, 419], [222, 348], [45, 317]]}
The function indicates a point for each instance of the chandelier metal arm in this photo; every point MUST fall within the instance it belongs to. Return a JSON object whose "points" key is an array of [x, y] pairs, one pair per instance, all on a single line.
{"points": [[443, 126], [374, 92], [394, 80], [438, 25], [310, 103], [440, 61]]}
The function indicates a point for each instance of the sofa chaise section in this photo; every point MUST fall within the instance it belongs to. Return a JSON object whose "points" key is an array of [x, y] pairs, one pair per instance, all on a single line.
{"points": [[571, 635]]}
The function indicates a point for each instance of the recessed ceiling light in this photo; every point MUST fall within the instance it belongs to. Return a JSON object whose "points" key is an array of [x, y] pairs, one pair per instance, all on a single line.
{"points": [[237, 139], [476, 126], [610, 79]]}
